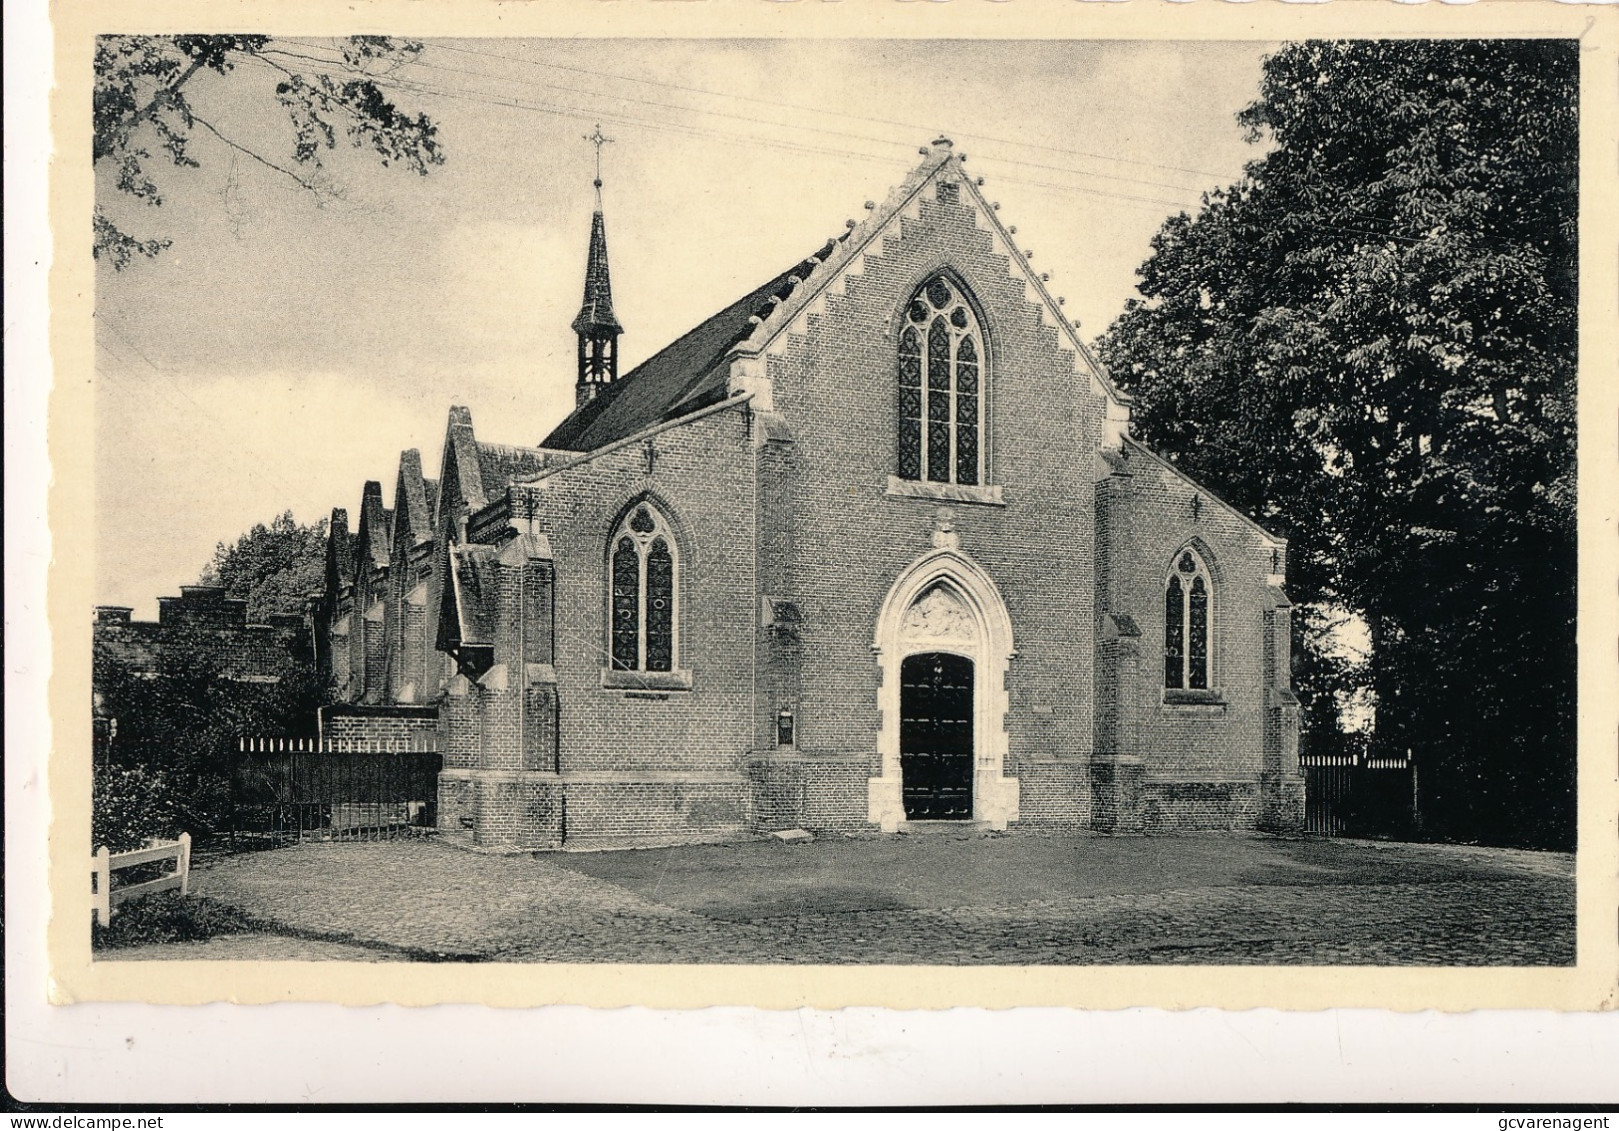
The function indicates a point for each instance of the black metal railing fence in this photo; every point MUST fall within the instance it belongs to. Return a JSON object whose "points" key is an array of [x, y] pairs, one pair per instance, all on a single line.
{"points": [[287, 790]]}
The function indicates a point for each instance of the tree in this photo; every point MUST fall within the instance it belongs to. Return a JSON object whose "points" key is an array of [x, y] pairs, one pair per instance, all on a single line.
{"points": [[1370, 341], [175, 761], [273, 568], [141, 101]]}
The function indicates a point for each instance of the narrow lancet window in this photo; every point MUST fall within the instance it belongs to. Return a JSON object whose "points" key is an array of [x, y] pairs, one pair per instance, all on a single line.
{"points": [[626, 606], [644, 584], [1188, 593], [1174, 634], [941, 387]]}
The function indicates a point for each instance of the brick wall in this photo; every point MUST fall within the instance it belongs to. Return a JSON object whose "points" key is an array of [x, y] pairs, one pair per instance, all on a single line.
{"points": [[822, 794], [1183, 806], [1055, 792], [1154, 513], [701, 477], [620, 811], [381, 727], [204, 624], [835, 385]]}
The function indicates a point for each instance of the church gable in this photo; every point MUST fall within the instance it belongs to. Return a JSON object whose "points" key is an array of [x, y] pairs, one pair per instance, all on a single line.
{"points": [[939, 183]]}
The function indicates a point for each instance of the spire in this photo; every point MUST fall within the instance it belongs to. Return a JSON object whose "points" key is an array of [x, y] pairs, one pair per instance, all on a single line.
{"points": [[596, 314], [596, 325]]}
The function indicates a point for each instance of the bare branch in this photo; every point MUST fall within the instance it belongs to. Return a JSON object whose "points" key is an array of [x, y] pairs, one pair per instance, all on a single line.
{"points": [[268, 164]]}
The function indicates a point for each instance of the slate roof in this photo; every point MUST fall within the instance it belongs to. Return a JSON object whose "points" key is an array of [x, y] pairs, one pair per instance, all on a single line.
{"points": [[339, 549], [376, 530], [474, 593], [596, 315], [500, 465], [410, 499], [678, 379]]}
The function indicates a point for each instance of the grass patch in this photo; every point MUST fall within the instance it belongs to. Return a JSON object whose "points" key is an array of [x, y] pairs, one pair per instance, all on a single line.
{"points": [[167, 917]]}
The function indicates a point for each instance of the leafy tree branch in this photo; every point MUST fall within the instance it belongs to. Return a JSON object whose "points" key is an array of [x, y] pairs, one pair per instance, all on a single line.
{"points": [[143, 115]]}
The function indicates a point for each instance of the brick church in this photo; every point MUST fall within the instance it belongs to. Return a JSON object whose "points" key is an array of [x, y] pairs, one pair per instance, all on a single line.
{"points": [[871, 546]]}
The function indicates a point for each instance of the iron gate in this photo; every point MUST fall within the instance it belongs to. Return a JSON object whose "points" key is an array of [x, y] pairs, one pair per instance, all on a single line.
{"points": [[288, 790], [1355, 795]]}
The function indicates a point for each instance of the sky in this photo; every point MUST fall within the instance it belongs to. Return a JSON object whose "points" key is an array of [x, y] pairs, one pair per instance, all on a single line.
{"points": [[287, 346]]}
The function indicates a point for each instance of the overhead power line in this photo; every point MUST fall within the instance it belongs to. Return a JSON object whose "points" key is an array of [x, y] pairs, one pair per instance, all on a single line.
{"points": [[912, 128], [588, 113]]}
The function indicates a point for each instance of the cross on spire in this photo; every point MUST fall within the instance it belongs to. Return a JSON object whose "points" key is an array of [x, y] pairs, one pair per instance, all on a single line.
{"points": [[598, 139]]}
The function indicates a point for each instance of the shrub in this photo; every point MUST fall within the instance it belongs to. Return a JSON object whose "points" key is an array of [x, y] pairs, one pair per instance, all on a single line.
{"points": [[131, 805], [169, 917]]}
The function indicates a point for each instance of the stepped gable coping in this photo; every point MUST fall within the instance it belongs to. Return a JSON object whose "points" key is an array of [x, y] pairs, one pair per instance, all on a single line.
{"points": [[854, 244]]}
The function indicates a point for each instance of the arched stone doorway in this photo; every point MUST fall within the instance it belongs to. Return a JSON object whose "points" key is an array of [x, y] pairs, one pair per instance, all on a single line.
{"points": [[944, 629]]}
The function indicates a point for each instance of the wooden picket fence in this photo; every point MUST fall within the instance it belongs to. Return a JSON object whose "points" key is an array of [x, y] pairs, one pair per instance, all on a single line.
{"points": [[104, 897]]}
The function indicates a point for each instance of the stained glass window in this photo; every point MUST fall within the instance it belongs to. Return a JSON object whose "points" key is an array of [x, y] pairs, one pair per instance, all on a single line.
{"points": [[660, 607], [941, 387], [966, 411], [1197, 635], [1187, 599], [939, 401], [910, 404], [1174, 634], [626, 606], [644, 592]]}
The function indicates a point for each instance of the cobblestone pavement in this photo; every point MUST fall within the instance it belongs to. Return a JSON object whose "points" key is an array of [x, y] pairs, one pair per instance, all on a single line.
{"points": [[1017, 900]]}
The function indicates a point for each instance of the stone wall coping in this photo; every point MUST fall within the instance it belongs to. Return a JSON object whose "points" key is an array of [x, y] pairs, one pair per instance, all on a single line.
{"points": [[599, 777], [1160, 777], [613, 679], [379, 711], [760, 756]]}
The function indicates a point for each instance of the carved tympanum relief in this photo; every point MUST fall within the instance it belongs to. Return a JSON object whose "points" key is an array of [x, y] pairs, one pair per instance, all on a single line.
{"points": [[938, 615]]}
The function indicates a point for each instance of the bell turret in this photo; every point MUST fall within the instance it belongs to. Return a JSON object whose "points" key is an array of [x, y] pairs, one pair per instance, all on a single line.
{"points": [[596, 325]]}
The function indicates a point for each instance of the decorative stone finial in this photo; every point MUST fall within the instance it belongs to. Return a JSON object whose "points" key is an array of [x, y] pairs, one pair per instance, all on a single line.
{"points": [[944, 530]]}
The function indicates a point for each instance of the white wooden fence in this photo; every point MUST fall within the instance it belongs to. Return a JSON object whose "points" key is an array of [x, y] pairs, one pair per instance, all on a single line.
{"points": [[104, 897]]}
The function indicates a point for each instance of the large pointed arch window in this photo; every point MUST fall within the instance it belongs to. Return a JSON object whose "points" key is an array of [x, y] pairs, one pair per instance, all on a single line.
{"points": [[1188, 608], [642, 576], [941, 385]]}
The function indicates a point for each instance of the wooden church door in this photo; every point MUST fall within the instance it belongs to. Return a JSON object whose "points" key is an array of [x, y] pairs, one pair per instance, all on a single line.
{"points": [[936, 736]]}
